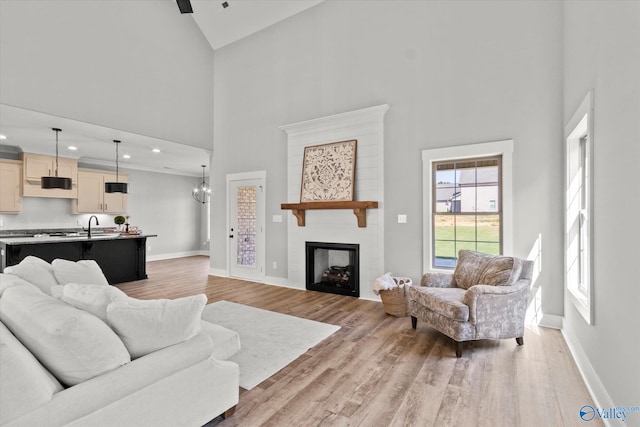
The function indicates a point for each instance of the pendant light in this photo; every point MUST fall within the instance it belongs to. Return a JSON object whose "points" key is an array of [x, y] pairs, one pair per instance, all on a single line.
{"points": [[115, 187], [202, 192], [55, 181]]}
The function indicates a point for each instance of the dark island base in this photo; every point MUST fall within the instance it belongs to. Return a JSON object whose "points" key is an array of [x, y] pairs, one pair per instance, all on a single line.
{"points": [[121, 260]]}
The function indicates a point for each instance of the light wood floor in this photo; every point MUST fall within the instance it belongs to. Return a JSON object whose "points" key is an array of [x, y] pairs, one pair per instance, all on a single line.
{"points": [[377, 371]]}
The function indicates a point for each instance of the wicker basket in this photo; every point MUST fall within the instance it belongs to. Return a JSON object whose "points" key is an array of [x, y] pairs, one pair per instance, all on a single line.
{"points": [[396, 301]]}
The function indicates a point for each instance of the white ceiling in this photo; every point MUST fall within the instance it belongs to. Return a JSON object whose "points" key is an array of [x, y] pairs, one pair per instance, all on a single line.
{"points": [[30, 131], [222, 26]]}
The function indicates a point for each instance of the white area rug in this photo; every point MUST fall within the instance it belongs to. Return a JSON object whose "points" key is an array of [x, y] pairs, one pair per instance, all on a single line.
{"points": [[269, 340]]}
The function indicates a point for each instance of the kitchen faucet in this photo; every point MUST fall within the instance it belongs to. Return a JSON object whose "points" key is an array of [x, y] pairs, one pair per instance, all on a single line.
{"points": [[97, 223]]}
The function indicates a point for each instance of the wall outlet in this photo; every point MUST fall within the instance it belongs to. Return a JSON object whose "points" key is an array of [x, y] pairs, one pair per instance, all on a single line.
{"points": [[277, 218], [402, 219], [275, 265]]}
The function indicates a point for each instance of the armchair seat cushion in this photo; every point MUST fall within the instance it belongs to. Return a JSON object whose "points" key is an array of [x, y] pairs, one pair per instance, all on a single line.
{"points": [[444, 301]]}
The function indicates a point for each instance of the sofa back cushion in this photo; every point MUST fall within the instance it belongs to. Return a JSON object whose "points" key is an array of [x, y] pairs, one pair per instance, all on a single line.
{"points": [[475, 268], [24, 383], [72, 344], [86, 272], [35, 271], [149, 325]]}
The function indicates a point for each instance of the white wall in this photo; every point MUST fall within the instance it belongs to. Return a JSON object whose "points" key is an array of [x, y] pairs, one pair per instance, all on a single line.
{"points": [[453, 73], [138, 66], [602, 54]]}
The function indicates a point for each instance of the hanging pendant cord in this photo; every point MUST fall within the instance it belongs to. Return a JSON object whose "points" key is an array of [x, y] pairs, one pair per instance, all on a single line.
{"points": [[117, 155], [57, 130]]}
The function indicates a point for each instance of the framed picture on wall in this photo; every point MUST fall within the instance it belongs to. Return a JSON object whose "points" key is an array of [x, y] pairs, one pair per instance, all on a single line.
{"points": [[329, 172]]}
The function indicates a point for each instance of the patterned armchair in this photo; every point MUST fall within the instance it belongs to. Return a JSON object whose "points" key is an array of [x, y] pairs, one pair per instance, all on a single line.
{"points": [[486, 297]]}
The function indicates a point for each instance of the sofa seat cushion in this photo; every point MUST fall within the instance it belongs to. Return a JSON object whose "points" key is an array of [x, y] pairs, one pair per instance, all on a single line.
{"points": [[149, 325], [86, 272], [226, 342], [475, 268], [35, 271], [444, 301], [24, 383], [72, 344]]}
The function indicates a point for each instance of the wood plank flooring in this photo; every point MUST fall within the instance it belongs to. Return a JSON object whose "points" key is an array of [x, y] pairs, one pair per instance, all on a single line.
{"points": [[378, 371]]}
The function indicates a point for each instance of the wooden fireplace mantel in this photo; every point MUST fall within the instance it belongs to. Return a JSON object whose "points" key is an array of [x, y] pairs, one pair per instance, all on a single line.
{"points": [[359, 209]]}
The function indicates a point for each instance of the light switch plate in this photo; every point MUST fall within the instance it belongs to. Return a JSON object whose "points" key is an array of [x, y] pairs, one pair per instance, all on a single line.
{"points": [[402, 219], [277, 218]]}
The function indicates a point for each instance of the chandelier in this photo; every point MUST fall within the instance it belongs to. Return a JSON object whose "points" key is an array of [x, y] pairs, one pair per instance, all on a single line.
{"points": [[202, 192]]}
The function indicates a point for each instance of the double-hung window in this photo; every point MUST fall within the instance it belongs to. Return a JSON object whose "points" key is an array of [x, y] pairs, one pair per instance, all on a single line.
{"points": [[579, 209], [467, 201], [466, 211]]}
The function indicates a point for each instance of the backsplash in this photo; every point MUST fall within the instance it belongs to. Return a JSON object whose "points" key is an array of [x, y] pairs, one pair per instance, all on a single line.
{"points": [[48, 213]]}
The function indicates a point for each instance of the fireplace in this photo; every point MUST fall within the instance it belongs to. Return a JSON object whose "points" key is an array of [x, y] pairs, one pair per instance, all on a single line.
{"points": [[333, 268]]}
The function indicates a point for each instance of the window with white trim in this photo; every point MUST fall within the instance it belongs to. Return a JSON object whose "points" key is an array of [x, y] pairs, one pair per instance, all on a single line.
{"points": [[578, 209], [466, 201], [465, 212]]}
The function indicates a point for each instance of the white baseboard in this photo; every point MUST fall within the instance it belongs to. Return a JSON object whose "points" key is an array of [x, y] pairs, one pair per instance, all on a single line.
{"points": [[551, 321], [176, 255], [283, 282], [221, 272], [594, 385]]}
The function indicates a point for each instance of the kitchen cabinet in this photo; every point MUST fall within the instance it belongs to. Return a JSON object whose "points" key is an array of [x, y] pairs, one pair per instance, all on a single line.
{"points": [[91, 195], [35, 166], [10, 186]]}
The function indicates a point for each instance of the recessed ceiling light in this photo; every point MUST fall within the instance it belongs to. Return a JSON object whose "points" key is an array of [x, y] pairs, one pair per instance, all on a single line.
{"points": [[156, 150], [3, 137], [126, 156], [72, 148]]}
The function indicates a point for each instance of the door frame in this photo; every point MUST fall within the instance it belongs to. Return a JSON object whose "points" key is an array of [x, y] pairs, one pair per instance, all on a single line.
{"points": [[261, 243]]}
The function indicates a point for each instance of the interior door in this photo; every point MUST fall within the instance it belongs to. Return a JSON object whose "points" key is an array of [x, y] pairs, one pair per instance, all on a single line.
{"points": [[246, 228]]}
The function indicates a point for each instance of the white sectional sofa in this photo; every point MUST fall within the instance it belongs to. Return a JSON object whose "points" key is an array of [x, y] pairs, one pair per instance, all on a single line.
{"points": [[83, 358]]}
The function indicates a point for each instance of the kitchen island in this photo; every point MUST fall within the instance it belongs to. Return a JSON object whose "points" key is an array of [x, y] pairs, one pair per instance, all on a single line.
{"points": [[121, 257]]}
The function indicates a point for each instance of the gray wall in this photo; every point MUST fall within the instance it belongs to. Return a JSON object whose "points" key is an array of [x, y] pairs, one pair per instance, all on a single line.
{"points": [[138, 66], [162, 205], [453, 72], [602, 54]]}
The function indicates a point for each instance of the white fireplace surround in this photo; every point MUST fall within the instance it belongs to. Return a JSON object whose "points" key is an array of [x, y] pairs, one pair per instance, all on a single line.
{"points": [[340, 226]]}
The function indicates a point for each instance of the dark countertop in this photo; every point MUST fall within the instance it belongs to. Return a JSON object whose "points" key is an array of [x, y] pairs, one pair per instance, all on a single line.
{"points": [[22, 240]]}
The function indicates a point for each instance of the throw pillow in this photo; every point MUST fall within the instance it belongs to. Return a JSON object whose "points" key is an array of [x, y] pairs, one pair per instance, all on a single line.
{"points": [[149, 325], [9, 280], [36, 271], [72, 344], [86, 272], [90, 298], [475, 268]]}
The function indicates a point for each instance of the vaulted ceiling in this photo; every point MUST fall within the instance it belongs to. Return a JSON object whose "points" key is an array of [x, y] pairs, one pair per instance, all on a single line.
{"points": [[30, 131]]}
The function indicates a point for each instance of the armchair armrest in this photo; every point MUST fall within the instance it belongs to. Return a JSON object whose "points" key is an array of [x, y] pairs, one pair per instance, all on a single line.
{"points": [[496, 303], [438, 280]]}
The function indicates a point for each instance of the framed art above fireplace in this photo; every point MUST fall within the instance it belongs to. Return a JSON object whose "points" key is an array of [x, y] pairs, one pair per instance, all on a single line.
{"points": [[328, 172]]}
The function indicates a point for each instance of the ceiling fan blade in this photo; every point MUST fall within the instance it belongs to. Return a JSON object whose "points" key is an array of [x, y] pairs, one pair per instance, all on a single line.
{"points": [[184, 6]]}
